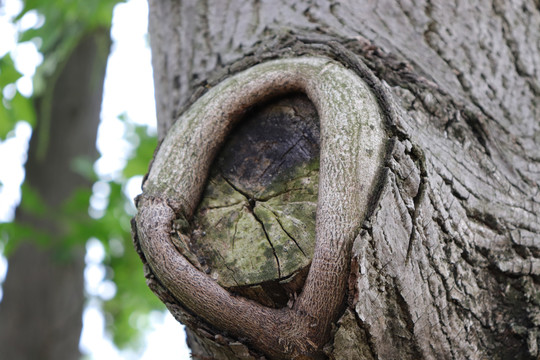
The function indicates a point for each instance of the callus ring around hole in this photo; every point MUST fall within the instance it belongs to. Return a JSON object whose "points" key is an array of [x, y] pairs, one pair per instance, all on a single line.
{"points": [[352, 151]]}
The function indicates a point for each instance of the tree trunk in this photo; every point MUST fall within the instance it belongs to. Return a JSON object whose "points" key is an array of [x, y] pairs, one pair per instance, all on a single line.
{"points": [[447, 261], [41, 312]]}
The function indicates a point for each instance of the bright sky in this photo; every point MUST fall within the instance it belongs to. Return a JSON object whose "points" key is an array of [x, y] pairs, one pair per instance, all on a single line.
{"points": [[128, 89]]}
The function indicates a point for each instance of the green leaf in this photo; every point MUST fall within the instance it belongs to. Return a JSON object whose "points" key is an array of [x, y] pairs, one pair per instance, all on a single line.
{"points": [[8, 73], [138, 163], [144, 144], [30, 35], [23, 109], [9, 111], [6, 120]]}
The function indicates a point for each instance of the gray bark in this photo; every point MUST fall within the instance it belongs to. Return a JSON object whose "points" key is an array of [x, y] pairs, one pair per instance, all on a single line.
{"points": [[447, 265], [41, 311]]}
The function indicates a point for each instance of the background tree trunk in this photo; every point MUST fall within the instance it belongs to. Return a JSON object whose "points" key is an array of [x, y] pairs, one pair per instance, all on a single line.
{"points": [[448, 263], [41, 312]]}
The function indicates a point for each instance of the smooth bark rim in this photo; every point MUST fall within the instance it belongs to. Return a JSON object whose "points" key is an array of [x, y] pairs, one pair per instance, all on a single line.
{"points": [[352, 154]]}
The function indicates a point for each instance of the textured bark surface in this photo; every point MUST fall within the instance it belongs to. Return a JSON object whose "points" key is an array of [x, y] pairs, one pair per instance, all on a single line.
{"points": [[41, 311], [448, 264]]}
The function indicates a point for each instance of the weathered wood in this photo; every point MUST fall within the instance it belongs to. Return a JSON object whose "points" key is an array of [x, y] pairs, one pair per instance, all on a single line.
{"points": [[259, 205]]}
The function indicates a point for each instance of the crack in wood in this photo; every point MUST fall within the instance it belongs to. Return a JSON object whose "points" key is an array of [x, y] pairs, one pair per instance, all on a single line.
{"points": [[251, 205], [286, 232], [269, 242]]}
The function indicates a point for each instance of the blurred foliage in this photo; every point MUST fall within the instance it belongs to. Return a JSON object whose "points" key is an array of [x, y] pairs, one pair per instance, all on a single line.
{"points": [[65, 22], [130, 307], [14, 106], [128, 311]]}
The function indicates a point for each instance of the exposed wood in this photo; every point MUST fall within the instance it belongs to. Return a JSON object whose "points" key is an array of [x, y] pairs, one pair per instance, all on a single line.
{"points": [[260, 202]]}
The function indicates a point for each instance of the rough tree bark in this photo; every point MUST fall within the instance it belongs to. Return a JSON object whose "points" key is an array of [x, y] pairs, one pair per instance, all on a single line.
{"points": [[447, 262], [41, 312]]}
